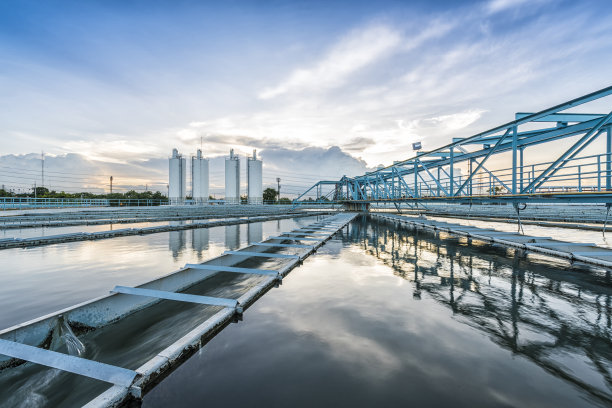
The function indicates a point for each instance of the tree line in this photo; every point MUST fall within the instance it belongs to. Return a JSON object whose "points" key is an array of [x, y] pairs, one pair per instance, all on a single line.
{"points": [[43, 192]]}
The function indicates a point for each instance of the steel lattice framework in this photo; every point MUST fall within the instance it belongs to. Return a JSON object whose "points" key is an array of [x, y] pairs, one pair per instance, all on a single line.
{"points": [[435, 176]]}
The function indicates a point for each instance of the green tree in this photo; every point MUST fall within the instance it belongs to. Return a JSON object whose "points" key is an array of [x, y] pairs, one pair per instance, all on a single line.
{"points": [[269, 195]]}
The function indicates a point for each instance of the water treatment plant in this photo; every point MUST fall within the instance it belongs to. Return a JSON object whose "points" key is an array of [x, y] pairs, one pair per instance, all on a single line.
{"points": [[413, 272], [306, 204]]}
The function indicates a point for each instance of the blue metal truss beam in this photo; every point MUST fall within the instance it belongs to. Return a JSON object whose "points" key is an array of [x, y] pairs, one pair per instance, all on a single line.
{"points": [[390, 184], [562, 117], [539, 138], [577, 145]]}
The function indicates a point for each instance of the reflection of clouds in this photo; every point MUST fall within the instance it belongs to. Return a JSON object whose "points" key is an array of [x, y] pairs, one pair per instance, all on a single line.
{"points": [[345, 345], [558, 319], [361, 328]]}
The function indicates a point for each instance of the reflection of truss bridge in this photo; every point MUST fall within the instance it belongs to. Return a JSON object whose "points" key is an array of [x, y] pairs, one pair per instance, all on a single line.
{"points": [[526, 307], [469, 170]]}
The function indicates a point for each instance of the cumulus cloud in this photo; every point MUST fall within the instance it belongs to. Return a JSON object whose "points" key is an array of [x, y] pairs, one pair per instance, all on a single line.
{"points": [[332, 161], [298, 168]]}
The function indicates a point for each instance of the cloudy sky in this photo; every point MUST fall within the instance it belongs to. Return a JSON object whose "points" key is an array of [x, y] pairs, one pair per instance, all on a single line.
{"points": [[321, 89]]}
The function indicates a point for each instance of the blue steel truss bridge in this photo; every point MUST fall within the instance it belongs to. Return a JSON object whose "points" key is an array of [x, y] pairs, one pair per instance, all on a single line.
{"points": [[557, 155]]}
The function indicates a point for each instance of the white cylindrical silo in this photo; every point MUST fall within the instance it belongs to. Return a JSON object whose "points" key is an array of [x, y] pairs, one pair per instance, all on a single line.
{"points": [[199, 178], [177, 190], [232, 179], [255, 180]]}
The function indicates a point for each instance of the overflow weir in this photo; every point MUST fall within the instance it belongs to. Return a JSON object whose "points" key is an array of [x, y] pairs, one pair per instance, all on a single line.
{"points": [[135, 336], [111, 215], [89, 236]]}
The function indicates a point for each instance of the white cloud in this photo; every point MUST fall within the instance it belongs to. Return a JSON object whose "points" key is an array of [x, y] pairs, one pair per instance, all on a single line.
{"points": [[113, 151], [357, 50], [495, 6], [456, 121]]}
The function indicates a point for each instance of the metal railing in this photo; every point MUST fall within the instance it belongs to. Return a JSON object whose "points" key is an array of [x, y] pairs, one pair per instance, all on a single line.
{"points": [[26, 203]]}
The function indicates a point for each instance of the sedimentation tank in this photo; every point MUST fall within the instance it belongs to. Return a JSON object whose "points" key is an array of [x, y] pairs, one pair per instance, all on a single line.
{"points": [[254, 179], [199, 178], [177, 190], [232, 179]]}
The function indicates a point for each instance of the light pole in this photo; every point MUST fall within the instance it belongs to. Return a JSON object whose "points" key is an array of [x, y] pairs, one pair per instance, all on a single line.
{"points": [[278, 189]]}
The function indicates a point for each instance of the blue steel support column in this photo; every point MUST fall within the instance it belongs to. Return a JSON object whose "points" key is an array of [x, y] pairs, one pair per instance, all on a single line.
{"points": [[452, 172], [416, 186], [608, 159], [514, 141], [438, 182], [521, 167]]}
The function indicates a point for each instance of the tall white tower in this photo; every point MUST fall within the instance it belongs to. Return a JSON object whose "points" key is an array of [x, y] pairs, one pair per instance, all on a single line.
{"points": [[232, 179], [177, 186], [254, 179], [199, 178]]}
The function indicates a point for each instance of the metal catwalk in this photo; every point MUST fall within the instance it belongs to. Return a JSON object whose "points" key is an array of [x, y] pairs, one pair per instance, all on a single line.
{"points": [[491, 166]]}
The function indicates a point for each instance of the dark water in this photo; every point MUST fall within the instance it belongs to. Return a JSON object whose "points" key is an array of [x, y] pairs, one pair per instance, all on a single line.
{"points": [[385, 316]]}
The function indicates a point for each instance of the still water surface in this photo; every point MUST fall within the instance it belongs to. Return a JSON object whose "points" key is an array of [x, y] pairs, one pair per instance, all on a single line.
{"points": [[386, 316], [39, 280]]}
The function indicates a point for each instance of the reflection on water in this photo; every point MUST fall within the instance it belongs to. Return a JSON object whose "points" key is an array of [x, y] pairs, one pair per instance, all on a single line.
{"points": [[560, 319], [389, 316], [255, 232], [199, 240], [176, 242], [35, 281], [232, 236]]}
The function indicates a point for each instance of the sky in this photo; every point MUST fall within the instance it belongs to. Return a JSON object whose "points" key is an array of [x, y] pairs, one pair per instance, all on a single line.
{"points": [[320, 89]]}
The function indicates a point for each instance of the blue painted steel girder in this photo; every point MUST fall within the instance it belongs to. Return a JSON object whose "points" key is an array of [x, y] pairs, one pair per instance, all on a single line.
{"points": [[391, 183]]}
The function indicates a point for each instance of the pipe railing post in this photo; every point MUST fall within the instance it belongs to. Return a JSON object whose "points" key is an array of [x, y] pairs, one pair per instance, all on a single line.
{"points": [[521, 167], [609, 159], [452, 171], [514, 158], [598, 173], [416, 186]]}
